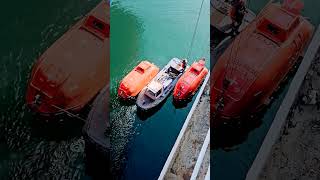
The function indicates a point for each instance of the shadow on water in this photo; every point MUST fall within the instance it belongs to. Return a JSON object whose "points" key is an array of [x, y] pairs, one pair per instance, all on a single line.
{"points": [[182, 104], [228, 136], [57, 129], [126, 102]]}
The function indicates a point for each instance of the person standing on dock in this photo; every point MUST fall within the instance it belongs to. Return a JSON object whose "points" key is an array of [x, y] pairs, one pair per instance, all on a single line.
{"points": [[237, 13]]}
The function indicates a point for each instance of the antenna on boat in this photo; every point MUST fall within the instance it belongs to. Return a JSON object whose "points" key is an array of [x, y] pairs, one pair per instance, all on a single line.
{"points": [[195, 30]]}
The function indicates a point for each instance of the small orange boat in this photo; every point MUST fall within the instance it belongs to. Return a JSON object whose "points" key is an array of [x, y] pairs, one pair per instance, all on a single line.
{"points": [[137, 79], [190, 81], [70, 73], [257, 61]]}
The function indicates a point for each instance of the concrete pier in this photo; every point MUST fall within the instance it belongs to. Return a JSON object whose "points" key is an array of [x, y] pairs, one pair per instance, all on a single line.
{"points": [[181, 163]]}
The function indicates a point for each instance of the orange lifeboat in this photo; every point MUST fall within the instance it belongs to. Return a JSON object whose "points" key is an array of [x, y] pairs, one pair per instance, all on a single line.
{"points": [[257, 61], [137, 79], [190, 81], [70, 73]]}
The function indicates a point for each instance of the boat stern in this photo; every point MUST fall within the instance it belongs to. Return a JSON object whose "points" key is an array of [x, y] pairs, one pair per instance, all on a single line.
{"points": [[42, 103], [44, 93]]}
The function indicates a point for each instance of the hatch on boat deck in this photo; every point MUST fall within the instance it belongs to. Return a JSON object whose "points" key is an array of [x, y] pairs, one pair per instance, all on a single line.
{"points": [[277, 24], [196, 68], [97, 27], [142, 67]]}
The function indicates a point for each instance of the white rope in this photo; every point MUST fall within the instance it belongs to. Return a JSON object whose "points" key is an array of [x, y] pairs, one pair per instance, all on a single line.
{"points": [[68, 113], [195, 30]]}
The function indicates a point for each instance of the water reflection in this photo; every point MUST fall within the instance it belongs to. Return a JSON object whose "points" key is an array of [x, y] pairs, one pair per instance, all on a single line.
{"points": [[125, 29]]}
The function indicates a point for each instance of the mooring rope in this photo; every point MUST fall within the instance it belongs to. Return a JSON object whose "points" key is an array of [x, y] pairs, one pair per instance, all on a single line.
{"points": [[35, 102], [68, 112], [195, 30]]}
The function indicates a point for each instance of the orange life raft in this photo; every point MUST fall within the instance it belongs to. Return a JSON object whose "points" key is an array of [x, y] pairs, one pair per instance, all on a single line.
{"points": [[190, 81], [70, 73], [251, 69], [137, 79]]}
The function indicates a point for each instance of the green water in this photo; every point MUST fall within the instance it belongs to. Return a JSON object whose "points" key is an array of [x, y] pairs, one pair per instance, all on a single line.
{"points": [[234, 163], [27, 29], [157, 31]]}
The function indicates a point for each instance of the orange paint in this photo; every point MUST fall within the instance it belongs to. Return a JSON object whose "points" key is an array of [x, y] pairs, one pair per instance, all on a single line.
{"points": [[70, 73], [257, 61], [190, 81], [137, 79]]}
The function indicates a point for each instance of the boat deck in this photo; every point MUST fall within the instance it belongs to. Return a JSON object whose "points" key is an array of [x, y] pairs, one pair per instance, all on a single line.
{"points": [[220, 19]]}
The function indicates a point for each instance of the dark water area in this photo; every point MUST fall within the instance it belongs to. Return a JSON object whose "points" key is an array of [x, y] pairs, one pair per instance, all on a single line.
{"points": [[235, 161], [156, 31], [29, 149]]}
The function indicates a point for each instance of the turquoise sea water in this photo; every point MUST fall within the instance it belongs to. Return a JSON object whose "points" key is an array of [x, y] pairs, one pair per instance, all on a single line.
{"points": [[156, 31]]}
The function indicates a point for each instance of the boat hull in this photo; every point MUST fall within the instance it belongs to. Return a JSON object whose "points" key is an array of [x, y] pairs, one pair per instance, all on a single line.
{"points": [[145, 103], [190, 81], [70, 73], [136, 80], [244, 79], [97, 136]]}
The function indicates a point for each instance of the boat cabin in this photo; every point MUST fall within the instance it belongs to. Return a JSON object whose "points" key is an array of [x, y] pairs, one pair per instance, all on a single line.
{"points": [[175, 68], [154, 90], [278, 24]]}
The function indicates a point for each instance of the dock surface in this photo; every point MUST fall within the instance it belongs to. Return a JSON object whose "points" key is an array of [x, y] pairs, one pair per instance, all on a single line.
{"points": [[182, 160], [296, 153]]}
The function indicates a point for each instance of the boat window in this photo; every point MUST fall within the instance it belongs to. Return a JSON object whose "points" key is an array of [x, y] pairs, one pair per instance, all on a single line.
{"points": [[158, 93], [151, 94], [173, 70], [96, 27], [139, 70], [274, 30], [194, 71]]}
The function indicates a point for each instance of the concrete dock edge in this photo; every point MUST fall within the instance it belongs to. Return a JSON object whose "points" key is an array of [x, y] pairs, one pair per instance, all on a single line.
{"points": [[174, 149], [282, 113]]}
